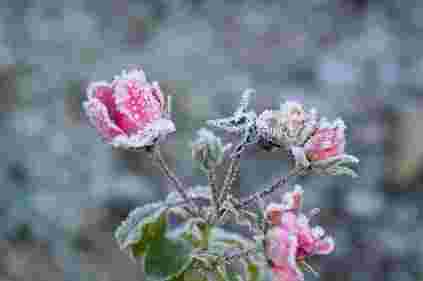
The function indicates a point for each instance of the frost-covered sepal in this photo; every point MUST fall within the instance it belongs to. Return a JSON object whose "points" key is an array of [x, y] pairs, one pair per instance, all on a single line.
{"points": [[208, 150]]}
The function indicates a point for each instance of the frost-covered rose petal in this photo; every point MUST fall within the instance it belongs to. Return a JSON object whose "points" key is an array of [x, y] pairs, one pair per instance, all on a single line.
{"points": [[324, 246], [293, 200], [281, 249], [291, 238], [327, 141], [129, 112]]}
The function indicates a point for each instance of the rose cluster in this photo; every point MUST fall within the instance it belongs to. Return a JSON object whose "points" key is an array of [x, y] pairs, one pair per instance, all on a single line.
{"points": [[131, 113]]}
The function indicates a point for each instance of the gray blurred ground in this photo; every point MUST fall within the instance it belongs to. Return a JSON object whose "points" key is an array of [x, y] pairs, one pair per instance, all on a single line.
{"points": [[64, 191]]}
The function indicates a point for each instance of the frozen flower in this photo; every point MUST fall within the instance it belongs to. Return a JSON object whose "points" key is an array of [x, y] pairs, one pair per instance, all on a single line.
{"points": [[291, 239], [289, 126], [129, 112], [324, 152], [327, 141]]}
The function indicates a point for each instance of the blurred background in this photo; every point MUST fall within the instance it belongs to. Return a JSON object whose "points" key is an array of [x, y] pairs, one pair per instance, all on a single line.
{"points": [[64, 191]]}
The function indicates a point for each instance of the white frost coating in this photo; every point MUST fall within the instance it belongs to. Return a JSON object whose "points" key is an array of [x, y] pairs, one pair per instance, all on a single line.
{"points": [[97, 112], [121, 95], [288, 199], [318, 232], [155, 85], [337, 123], [328, 249], [303, 220], [272, 207], [245, 101], [133, 74], [300, 156], [157, 130], [262, 122], [93, 86]]}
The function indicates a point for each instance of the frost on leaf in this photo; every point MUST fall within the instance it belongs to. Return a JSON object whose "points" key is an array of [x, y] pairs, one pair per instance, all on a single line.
{"points": [[145, 235], [199, 192], [141, 226], [336, 166], [240, 121], [207, 150]]}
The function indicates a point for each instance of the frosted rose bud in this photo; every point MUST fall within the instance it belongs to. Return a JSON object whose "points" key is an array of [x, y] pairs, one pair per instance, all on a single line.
{"points": [[129, 112], [327, 141], [287, 127], [294, 115], [293, 200], [207, 149]]}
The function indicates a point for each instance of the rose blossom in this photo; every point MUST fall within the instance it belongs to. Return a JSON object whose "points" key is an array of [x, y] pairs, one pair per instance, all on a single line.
{"points": [[129, 112], [291, 239], [328, 140]]}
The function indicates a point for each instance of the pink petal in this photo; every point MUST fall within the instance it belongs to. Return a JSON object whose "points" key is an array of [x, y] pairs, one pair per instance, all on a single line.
{"points": [[289, 221], [100, 119], [137, 102], [325, 143], [281, 247], [153, 132], [293, 199], [104, 93], [285, 266], [286, 274], [324, 246]]}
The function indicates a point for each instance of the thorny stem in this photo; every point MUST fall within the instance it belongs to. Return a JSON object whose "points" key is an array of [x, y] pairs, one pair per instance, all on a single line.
{"points": [[211, 175], [237, 255], [279, 183], [179, 186], [231, 173], [229, 178]]}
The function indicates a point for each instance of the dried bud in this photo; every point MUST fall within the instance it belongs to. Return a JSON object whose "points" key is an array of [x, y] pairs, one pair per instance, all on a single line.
{"points": [[294, 116], [207, 149], [289, 126]]}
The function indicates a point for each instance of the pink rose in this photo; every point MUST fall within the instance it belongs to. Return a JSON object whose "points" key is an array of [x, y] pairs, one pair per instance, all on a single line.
{"points": [[291, 239], [327, 141], [129, 112]]}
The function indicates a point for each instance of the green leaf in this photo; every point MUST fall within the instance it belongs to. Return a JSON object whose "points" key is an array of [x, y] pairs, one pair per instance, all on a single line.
{"points": [[253, 272], [167, 259], [143, 225], [224, 275], [197, 232], [342, 170], [337, 165], [221, 241]]}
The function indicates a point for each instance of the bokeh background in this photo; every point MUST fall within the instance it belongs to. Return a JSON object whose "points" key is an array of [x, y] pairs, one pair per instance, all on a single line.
{"points": [[63, 191]]}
